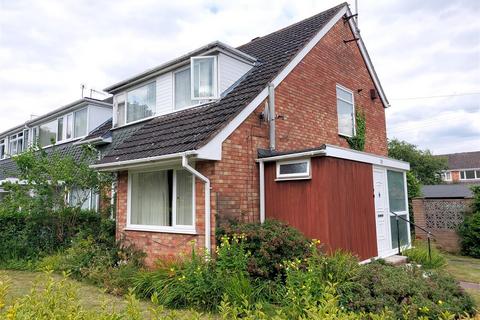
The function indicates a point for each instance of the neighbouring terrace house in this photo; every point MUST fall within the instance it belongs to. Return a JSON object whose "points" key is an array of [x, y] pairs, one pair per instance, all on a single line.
{"points": [[463, 167], [256, 132], [65, 127]]}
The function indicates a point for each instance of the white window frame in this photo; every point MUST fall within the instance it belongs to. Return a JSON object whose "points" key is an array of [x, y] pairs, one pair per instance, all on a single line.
{"points": [[477, 177], [16, 137], [64, 129], [215, 78], [339, 86], [447, 176], [294, 176], [125, 93], [174, 228], [93, 200], [4, 142]]}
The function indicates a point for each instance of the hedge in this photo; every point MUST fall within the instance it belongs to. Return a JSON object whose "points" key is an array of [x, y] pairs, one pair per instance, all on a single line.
{"points": [[30, 236]]}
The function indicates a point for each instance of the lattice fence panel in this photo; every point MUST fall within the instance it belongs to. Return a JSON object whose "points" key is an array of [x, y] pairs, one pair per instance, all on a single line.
{"points": [[445, 214]]}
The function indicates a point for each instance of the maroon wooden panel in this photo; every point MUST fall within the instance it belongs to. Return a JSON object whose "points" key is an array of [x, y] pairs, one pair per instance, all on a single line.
{"points": [[336, 206]]}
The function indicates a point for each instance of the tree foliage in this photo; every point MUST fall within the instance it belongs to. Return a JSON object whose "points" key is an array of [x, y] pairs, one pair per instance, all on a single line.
{"points": [[46, 178], [423, 164]]}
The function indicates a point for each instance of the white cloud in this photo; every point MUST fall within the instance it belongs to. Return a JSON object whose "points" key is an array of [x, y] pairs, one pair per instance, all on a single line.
{"points": [[48, 48]]}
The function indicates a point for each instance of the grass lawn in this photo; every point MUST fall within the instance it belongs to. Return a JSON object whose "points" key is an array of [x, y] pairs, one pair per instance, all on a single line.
{"points": [[91, 297], [465, 269]]}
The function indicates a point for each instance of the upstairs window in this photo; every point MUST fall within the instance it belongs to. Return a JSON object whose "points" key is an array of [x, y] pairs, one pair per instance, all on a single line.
{"points": [[196, 83], [345, 112], [2, 148], [204, 70], [16, 143], [80, 123], [47, 133], [293, 169], [141, 102]]}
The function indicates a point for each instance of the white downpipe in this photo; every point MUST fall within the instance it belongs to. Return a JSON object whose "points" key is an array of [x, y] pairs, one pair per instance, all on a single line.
{"points": [[262, 192], [207, 199]]}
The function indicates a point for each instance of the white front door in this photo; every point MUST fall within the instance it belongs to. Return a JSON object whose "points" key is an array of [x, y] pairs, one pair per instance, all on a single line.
{"points": [[381, 211]]}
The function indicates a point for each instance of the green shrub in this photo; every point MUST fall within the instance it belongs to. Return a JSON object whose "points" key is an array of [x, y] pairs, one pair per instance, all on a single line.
{"points": [[112, 267], [51, 299], [469, 232], [270, 244], [201, 282], [419, 254], [409, 290], [25, 237]]}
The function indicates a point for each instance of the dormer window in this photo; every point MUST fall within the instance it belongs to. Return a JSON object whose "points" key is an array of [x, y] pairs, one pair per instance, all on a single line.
{"points": [[197, 83], [3, 148], [16, 143], [136, 104], [204, 84]]}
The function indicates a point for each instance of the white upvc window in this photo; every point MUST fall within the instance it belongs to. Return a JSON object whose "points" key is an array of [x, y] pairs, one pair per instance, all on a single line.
{"points": [[345, 111], [471, 174], [135, 104], [65, 128], [3, 148], [446, 176], [203, 77], [161, 200], [84, 199], [15, 143], [294, 169], [196, 83]]}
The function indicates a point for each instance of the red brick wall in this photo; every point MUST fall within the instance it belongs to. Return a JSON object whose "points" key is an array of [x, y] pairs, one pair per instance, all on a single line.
{"points": [[307, 101], [163, 245]]}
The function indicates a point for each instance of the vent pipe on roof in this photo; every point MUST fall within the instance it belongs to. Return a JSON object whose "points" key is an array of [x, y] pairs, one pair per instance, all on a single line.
{"points": [[271, 115]]}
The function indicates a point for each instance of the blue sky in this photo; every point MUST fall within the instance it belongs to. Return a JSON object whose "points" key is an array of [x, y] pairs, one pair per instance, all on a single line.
{"points": [[419, 49]]}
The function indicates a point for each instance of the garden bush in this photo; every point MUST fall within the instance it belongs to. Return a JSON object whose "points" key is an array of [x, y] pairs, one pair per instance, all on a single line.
{"points": [[419, 254], [112, 266], [25, 236], [199, 281], [404, 290], [270, 244], [469, 230]]}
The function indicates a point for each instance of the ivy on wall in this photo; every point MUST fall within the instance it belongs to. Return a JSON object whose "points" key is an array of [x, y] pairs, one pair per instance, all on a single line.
{"points": [[357, 142]]}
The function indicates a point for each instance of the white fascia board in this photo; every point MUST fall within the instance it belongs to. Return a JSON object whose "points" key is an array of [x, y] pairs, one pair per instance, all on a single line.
{"points": [[368, 62], [306, 154], [213, 149], [347, 154], [136, 163]]}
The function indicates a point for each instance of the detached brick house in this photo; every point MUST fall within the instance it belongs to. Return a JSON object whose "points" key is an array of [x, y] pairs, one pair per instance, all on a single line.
{"points": [[255, 132]]}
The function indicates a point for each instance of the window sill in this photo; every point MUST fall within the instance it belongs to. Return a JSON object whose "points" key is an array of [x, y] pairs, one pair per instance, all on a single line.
{"points": [[160, 229], [134, 122], [293, 178], [345, 135]]}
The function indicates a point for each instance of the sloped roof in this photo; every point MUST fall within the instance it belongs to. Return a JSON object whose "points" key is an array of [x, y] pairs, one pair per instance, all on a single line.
{"points": [[463, 160], [447, 191], [192, 128]]}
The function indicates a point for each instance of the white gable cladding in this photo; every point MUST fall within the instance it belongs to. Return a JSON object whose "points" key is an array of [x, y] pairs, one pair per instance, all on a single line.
{"points": [[229, 71], [164, 101]]}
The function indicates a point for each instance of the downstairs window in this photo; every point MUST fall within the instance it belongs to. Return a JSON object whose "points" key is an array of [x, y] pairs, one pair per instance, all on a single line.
{"points": [[161, 201]]}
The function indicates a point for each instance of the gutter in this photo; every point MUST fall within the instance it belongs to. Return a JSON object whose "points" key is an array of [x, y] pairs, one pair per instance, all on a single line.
{"points": [[197, 174], [115, 166]]}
